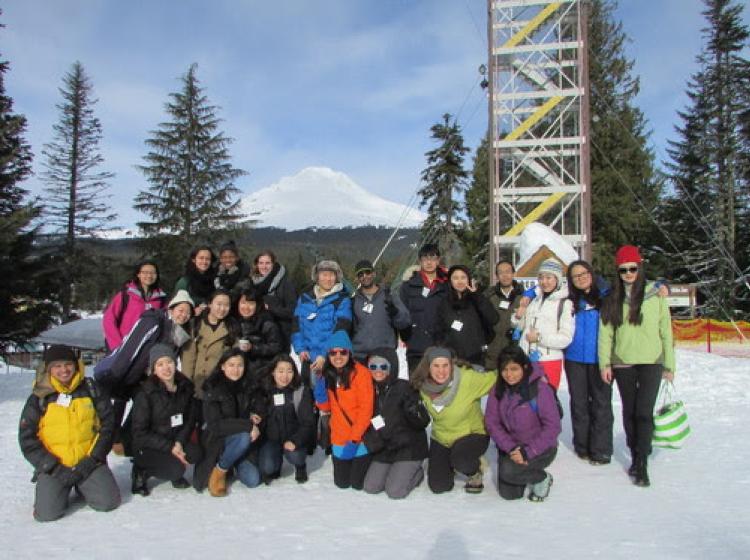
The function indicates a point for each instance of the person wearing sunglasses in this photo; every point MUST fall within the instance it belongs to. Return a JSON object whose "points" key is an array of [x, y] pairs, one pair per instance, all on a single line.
{"points": [[396, 437], [636, 350], [378, 313], [344, 391]]}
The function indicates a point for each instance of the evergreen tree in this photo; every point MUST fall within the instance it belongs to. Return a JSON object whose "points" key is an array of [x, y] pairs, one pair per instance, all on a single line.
{"points": [[475, 235], [25, 307], [444, 179], [191, 197], [76, 206], [624, 185], [708, 167]]}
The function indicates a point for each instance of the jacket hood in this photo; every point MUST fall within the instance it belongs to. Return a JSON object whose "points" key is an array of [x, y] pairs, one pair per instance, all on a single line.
{"points": [[46, 385], [392, 357]]}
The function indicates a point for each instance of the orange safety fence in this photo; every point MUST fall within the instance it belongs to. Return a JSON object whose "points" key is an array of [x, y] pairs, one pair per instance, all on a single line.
{"points": [[710, 335]]}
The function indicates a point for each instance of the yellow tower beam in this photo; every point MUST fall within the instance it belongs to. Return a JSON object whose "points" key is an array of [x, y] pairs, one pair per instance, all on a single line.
{"points": [[536, 213], [535, 117], [532, 25]]}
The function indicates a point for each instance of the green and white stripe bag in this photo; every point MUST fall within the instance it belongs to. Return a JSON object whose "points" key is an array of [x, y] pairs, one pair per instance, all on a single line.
{"points": [[671, 427]]}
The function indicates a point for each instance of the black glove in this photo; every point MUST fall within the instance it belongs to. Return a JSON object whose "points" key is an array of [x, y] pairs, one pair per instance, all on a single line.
{"points": [[65, 475], [86, 466]]}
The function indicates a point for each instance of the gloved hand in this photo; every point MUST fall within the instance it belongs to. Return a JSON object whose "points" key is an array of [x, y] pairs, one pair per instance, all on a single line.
{"points": [[65, 475], [348, 451], [86, 466], [517, 333], [535, 355], [320, 392]]}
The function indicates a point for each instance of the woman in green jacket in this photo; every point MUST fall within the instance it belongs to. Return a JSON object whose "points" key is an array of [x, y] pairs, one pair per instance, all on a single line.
{"points": [[636, 350], [451, 392]]}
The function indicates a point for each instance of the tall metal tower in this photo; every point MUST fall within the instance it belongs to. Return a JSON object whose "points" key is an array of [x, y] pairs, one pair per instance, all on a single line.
{"points": [[539, 115]]}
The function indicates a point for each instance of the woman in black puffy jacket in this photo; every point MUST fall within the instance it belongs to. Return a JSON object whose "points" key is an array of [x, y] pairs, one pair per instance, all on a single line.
{"points": [[164, 416], [290, 427], [396, 437], [259, 336]]}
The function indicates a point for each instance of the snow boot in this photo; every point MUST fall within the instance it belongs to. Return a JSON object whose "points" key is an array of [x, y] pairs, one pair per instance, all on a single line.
{"points": [[641, 473], [540, 490], [180, 483], [139, 482], [217, 483], [474, 484], [300, 474], [599, 461], [633, 464]]}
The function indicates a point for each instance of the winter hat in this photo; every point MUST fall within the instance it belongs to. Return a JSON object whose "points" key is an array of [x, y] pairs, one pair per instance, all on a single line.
{"points": [[58, 353], [363, 266], [388, 354], [339, 339], [181, 297], [330, 266], [628, 253], [553, 267], [429, 250], [434, 352], [229, 246], [159, 351]]}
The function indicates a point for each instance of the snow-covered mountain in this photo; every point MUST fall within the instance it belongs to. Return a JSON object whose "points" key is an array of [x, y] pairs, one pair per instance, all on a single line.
{"points": [[322, 197]]}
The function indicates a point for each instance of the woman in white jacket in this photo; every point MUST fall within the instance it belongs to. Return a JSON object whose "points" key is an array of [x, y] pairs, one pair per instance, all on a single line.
{"points": [[547, 325]]}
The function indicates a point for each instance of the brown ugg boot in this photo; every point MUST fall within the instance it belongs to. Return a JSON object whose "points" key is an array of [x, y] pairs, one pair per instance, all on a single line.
{"points": [[217, 483]]}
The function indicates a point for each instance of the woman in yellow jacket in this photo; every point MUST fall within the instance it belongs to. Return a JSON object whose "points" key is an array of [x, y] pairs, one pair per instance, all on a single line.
{"points": [[66, 433]]}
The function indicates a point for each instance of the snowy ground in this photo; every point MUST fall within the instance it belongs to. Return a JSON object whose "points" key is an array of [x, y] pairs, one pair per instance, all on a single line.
{"points": [[695, 508]]}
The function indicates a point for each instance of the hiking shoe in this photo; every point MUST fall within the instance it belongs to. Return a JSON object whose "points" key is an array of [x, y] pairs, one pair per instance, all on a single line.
{"points": [[540, 490], [180, 483], [300, 474], [474, 484], [599, 461]]}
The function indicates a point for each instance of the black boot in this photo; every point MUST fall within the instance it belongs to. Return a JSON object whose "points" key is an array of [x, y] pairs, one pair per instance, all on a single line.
{"points": [[633, 464], [300, 474], [139, 480], [180, 483], [641, 472]]}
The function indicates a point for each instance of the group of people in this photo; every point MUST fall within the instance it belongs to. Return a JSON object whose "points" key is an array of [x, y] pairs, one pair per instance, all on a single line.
{"points": [[237, 373]]}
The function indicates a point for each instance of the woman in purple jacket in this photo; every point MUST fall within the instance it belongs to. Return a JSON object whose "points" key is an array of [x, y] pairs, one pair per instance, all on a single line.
{"points": [[523, 420]]}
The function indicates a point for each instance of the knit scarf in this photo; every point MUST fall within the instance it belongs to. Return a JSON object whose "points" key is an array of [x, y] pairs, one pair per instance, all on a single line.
{"points": [[443, 394], [267, 284]]}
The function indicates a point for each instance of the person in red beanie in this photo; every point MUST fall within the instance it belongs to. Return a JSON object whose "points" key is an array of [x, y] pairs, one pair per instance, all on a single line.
{"points": [[636, 350]]}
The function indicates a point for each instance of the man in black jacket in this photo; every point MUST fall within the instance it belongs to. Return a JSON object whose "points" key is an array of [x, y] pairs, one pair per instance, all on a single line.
{"points": [[505, 297]]}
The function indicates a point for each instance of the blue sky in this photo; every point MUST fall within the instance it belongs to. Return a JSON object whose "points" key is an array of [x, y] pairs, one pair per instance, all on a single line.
{"points": [[349, 84]]}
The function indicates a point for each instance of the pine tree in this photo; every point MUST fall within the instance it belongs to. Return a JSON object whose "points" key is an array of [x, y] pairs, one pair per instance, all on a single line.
{"points": [[625, 187], [192, 197], [76, 206], [475, 235], [708, 167], [25, 308], [444, 180]]}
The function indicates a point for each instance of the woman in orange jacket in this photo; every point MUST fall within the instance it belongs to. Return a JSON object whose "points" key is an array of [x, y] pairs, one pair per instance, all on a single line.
{"points": [[345, 391]]}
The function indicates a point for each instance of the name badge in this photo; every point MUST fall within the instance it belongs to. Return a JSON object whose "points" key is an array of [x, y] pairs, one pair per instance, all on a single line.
{"points": [[176, 420], [425, 292], [438, 407], [312, 316], [278, 399], [504, 305], [368, 307], [457, 325], [377, 422], [63, 399]]}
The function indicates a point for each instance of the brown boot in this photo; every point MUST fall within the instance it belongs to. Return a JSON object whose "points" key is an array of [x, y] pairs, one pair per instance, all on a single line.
{"points": [[217, 483]]}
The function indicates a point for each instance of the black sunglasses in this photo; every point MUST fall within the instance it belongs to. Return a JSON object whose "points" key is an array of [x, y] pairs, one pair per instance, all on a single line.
{"points": [[338, 352], [626, 269]]}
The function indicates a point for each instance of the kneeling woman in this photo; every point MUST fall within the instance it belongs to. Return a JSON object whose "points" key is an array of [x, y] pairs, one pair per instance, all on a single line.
{"points": [[452, 395], [524, 422], [345, 390], [164, 417], [290, 424], [232, 412], [396, 437]]}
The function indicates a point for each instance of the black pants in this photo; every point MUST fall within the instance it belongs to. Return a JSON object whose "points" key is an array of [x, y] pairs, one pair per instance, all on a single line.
{"points": [[164, 465], [463, 456], [590, 410], [351, 473], [639, 387], [512, 478]]}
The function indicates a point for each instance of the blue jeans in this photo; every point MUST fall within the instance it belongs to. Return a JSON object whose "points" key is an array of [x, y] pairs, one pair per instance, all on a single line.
{"points": [[234, 455], [272, 453]]}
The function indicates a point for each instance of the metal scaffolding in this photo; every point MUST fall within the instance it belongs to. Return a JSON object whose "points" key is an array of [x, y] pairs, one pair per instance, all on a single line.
{"points": [[538, 112]]}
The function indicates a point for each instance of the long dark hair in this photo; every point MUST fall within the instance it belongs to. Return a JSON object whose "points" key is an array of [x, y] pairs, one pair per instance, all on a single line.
{"points": [[453, 294], [333, 376], [190, 267], [513, 354], [134, 278], [611, 313], [593, 298], [268, 380]]}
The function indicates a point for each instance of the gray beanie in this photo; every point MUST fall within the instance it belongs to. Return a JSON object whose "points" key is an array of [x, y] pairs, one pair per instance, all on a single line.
{"points": [[434, 352], [157, 351], [553, 267], [181, 297], [331, 266]]}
